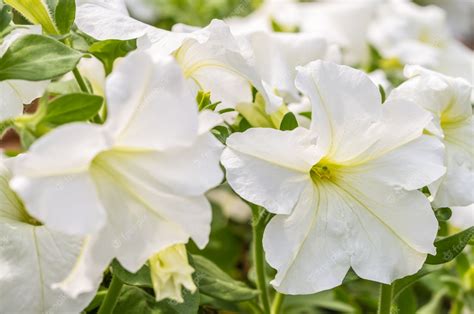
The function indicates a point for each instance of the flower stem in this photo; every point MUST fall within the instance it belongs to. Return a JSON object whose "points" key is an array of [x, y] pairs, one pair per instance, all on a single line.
{"points": [[258, 225], [80, 81], [277, 303], [254, 307], [112, 296], [385, 301]]}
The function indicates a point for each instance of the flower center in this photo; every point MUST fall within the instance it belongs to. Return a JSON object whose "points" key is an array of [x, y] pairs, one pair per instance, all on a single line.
{"points": [[320, 171]]}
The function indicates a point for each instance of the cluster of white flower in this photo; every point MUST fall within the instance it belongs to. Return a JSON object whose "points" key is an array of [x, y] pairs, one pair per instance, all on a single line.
{"points": [[340, 164]]}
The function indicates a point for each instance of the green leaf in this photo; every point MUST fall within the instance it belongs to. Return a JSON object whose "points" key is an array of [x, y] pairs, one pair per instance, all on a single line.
{"points": [[225, 245], [404, 283], [350, 276], [27, 138], [36, 58], [434, 305], [297, 304], [226, 110], [463, 265], [141, 278], [63, 87], [70, 108], [4, 126], [64, 15], [243, 124], [443, 214], [212, 281], [306, 114], [5, 17], [450, 247], [134, 300], [220, 304], [375, 58], [382, 93], [289, 122], [221, 133], [407, 303], [35, 11], [203, 99], [97, 301], [108, 51], [280, 28]]}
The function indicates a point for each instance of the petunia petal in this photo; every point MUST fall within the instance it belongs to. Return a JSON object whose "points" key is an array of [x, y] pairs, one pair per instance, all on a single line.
{"points": [[443, 96], [190, 214], [11, 104], [32, 258], [189, 170], [308, 247], [28, 91], [213, 51], [141, 222], [346, 108], [336, 226], [463, 217], [270, 167], [455, 189], [402, 157], [155, 109], [277, 55], [53, 182], [388, 242], [103, 19]]}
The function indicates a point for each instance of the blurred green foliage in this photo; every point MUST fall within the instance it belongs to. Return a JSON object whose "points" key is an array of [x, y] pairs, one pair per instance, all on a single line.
{"points": [[198, 12]]}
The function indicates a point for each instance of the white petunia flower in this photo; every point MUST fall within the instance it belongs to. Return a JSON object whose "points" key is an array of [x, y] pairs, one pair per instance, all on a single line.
{"points": [[15, 93], [341, 23], [134, 185], [203, 54], [32, 259], [283, 12], [448, 100], [232, 206], [419, 35], [462, 217], [93, 70], [345, 191], [276, 56], [170, 272], [345, 23]]}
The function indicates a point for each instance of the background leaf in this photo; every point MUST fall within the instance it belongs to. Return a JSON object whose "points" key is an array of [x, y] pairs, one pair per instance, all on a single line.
{"points": [[401, 284], [37, 58], [450, 247], [214, 282], [35, 11], [289, 122], [5, 17], [108, 51], [71, 108], [64, 15], [134, 300], [141, 278]]}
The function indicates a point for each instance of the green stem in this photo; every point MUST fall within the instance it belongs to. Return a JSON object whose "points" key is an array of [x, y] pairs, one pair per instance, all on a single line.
{"points": [[80, 81], [385, 301], [77, 75], [254, 307], [258, 226], [277, 303], [112, 296]]}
